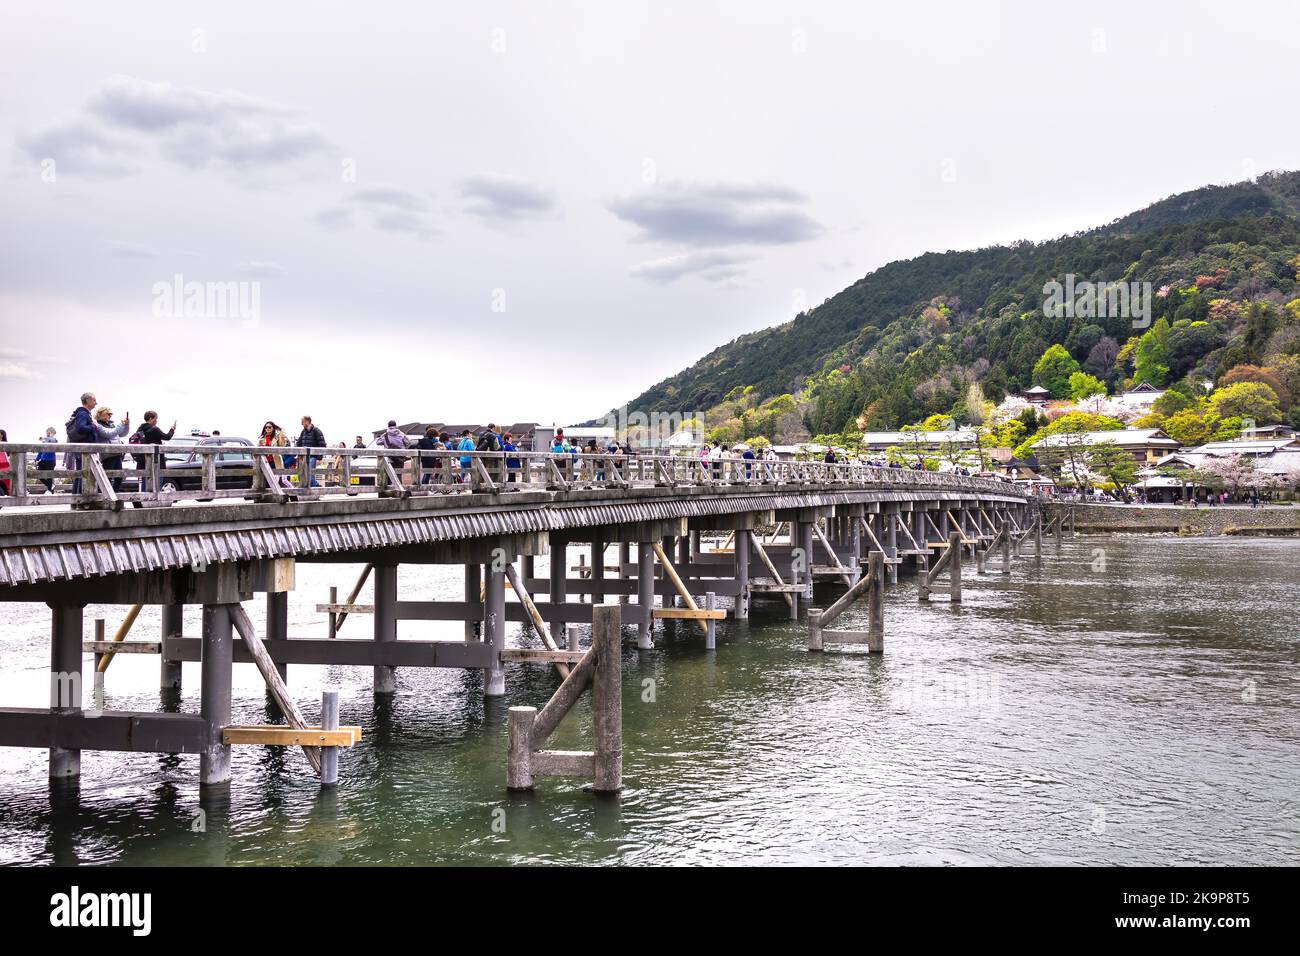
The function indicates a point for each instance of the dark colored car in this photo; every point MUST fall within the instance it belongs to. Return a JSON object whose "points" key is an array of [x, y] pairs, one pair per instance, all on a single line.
{"points": [[233, 466]]}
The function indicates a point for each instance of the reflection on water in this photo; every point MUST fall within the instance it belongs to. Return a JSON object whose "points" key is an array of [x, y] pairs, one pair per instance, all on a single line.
{"points": [[1144, 713]]}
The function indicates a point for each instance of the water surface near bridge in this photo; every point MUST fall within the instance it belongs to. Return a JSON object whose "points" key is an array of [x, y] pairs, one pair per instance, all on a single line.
{"points": [[1137, 706]]}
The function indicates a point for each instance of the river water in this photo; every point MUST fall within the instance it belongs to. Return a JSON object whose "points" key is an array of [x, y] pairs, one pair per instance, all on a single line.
{"points": [[1133, 702]]}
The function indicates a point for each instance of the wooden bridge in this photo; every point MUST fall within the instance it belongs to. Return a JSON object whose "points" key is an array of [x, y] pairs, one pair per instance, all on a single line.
{"points": [[221, 529]]}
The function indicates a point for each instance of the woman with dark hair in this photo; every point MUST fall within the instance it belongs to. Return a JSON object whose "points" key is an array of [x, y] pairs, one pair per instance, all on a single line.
{"points": [[272, 436], [429, 464], [4, 464]]}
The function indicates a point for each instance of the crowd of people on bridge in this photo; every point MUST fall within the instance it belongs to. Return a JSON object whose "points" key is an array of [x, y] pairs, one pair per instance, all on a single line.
{"points": [[92, 423]]}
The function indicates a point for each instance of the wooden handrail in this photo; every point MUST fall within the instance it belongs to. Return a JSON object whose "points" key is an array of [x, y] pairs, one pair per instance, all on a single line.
{"points": [[350, 471]]}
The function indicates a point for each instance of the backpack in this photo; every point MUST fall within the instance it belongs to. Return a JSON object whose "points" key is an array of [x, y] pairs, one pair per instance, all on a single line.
{"points": [[488, 442], [137, 436], [76, 435]]}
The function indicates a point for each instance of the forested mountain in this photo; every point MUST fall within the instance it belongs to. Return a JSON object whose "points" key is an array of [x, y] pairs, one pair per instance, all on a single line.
{"points": [[910, 339]]}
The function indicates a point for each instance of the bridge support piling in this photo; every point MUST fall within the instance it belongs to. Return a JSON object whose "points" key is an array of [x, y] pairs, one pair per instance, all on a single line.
{"points": [[683, 562], [624, 559], [277, 629], [214, 706], [855, 546], [806, 545], [494, 632], [891, 541], [559, 549], [528, 568], [474, 594], [742, 574], [173, 618], [645, 594], [954, 567], [598, 547], [65, 680], [385, 678], [711, 626]]}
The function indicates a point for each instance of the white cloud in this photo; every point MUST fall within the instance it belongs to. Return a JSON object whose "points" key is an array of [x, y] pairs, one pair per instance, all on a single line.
{"points": [[498, 198]]}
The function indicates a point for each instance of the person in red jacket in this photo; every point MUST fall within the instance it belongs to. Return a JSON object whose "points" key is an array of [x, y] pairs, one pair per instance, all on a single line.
{"points": [[4, 464]]}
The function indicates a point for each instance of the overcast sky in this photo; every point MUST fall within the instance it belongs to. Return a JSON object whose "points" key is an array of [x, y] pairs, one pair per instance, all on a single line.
{"points": [[534, 211]]}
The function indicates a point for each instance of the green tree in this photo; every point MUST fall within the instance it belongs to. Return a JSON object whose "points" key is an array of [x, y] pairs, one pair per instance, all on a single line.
{"points": [[1083, 385], [1118, 466], [1189, 427], [1151, 357], [1054, 369], [1246, 400]]}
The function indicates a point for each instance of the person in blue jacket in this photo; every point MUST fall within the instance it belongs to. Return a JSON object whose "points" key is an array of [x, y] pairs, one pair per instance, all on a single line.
{"points": [[466, 444], [45, 459], [512, 462]]}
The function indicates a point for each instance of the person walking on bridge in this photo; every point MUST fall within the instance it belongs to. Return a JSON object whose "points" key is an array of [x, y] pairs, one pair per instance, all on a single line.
{"points": [[429, 464], [466, 443], [80, 428], [4, 464], [45, 459], [311, 437]]}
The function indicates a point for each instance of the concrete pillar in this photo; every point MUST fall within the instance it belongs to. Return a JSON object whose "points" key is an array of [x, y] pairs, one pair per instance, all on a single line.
{"points": [[806, 542], [65, 680], [742, 574], [214, 707], [473, 591], [645, 593], [494, 632], [559, 583], [919, 529], [891, 541], [598, 566], [683, 565], [385, 678], [329, 720], [527, 572], [710, 626], [173, 617], [624, 559], [854, 537]]}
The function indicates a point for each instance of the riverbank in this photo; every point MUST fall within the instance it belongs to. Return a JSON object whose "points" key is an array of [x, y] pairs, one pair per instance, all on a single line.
{"points": [[1204, 521]]}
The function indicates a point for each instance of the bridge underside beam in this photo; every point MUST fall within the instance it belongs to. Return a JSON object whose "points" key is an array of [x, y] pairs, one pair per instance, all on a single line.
{"points": [[224, 583], [103, 730], [345, 651]]}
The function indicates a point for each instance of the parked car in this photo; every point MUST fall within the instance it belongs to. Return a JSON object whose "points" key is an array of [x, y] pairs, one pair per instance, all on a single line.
{"points": [[233, 466]]}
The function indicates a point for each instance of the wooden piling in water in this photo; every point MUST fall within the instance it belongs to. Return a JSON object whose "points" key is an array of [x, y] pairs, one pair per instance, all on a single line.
{"points": [[607, 698]]}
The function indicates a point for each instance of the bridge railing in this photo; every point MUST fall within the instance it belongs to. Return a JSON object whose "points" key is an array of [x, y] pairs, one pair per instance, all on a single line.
{"points": [[108, 476]]}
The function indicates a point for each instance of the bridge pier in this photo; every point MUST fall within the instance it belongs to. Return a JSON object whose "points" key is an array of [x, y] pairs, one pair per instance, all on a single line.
{"points": [[891, 518], [214, 706], [384, 678], [645, 594], [494, 632], [473, 594], [65, 680], [277, 629], [173, 624], [559, 550], [741, 563]]}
